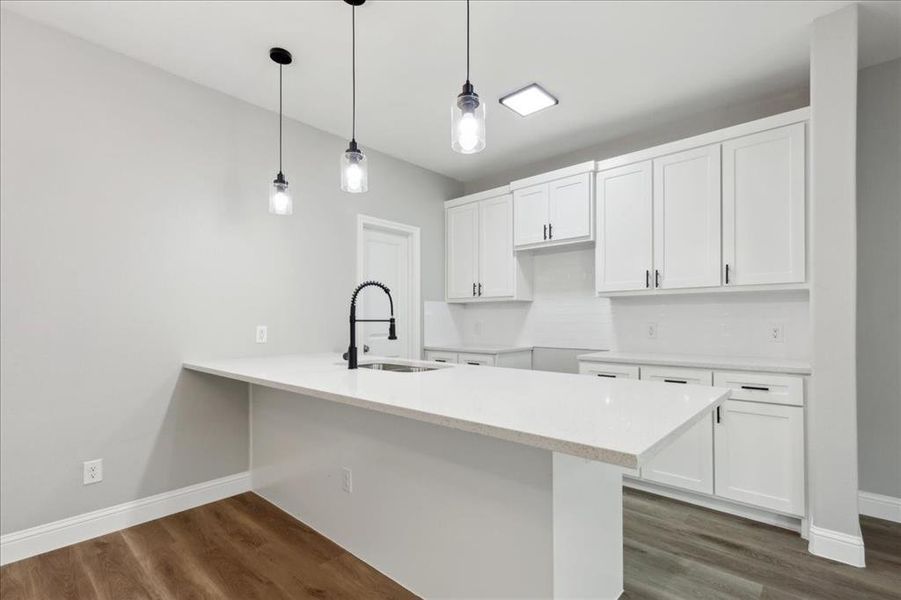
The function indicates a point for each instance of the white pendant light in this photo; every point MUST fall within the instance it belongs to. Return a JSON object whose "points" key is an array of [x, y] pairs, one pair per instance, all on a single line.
{"points": [[280, 202], [467, 113], [354, 169]]}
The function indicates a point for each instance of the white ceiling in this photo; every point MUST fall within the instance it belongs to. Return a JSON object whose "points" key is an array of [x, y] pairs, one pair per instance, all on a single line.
{"points": [[614, 65]]}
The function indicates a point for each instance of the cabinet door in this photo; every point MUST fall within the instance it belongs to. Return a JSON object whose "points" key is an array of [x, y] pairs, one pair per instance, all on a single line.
{"points": [[687, 462], [763, 207], [462, 257], [530, 215], [760, 455], [687, 218], [569, 208], [623, 254], [496, 261]]}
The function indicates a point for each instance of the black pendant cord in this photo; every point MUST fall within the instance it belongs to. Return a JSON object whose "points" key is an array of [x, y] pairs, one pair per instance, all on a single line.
{"points": [[353, 70], [280, 119], [467, 41]]}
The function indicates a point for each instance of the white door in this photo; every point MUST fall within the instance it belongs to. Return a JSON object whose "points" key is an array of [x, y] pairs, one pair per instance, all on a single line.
{"points": [[530, 215], [760, 455], [623, 254], [386, 256], [687, 462], [687, 218], [462, 254], [496, 260], [763, 207], [569, 208]]}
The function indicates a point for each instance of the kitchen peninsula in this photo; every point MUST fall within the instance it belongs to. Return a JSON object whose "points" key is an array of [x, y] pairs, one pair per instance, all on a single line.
{"points": [[521, 469]]}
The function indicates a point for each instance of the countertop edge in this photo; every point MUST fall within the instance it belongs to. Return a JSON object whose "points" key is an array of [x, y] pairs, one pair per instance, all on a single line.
{"points": [[611, 457]]}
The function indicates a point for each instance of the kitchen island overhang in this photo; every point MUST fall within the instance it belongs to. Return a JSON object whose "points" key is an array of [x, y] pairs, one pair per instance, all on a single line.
{"points": [[587, 429]]}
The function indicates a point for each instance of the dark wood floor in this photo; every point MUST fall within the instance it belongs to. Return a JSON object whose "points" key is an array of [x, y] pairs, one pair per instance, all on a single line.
{"points": [[245, 548]]}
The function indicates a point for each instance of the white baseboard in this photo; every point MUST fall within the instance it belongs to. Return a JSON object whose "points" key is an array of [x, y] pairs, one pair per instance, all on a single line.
{"points": [[837, 546], [44, 538], [879, 506]]}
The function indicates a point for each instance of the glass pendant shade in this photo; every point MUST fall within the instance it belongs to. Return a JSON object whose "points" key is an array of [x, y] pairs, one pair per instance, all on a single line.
{"points": [[468, 122], [354, 170], [280, 202]]}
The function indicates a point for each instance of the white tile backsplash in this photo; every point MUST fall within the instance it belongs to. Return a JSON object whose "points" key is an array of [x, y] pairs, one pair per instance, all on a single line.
{"points": [[565, 313]]}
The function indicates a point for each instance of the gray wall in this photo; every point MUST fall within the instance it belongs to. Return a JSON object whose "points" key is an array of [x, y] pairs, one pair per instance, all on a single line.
{"points": [[654, 135], [135, 234], [879, 278]]}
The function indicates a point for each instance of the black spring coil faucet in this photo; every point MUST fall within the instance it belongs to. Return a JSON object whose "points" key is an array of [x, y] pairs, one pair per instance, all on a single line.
{"points": [[392, 333]]}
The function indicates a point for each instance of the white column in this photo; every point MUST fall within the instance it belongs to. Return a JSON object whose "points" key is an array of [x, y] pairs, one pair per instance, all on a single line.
{"points": [[588, 529], [832, 410]]}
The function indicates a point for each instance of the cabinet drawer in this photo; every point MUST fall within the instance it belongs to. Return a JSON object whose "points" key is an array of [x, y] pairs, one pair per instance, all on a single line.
{"points": [[763, 387], [677, 375], [608, 370], [443, 357], [485, 360]]}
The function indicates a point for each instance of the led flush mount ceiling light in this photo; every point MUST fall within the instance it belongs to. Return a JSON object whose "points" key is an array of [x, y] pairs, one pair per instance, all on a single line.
{"points": [[467, 113], [354, 170], [528, 100], [280, 202]]}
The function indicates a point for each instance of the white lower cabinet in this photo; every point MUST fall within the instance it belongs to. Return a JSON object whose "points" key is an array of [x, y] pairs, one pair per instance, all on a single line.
{"points": [[687, 462], [516, 359], [750, 451], [442, 357], [760, 455], [476, 360], [611, 371]]}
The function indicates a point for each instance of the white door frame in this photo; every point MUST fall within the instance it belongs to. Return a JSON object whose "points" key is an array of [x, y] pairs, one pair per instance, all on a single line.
{"points": [[365, 222]]}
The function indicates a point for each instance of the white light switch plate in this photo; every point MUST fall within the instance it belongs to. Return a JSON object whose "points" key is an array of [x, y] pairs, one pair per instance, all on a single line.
{"points": [[652, 331], [776, 333], [262, 334]]}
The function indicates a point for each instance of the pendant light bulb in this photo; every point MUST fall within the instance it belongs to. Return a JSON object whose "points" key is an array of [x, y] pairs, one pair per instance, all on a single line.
{"points": [[354, 169], [467, 113], [468, 122], [280, 201]]}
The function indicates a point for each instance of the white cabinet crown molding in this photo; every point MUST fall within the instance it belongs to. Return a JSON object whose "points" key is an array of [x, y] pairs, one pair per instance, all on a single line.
{"points": [[584, 167], [478, 196], [712, 137]]}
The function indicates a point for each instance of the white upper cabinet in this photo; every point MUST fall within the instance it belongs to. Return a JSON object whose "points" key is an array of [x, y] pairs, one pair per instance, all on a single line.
{"points": [[462, 261], [480, 264], [530, 207], [569, 208], [687, 219], [728, 211], [624, 250], [555, 208], [763, 207], [496, 259]]}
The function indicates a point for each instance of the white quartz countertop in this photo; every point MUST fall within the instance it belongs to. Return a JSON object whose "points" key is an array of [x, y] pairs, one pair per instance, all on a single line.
{"points": [[621, 422], [477, 349], [699, 361]]}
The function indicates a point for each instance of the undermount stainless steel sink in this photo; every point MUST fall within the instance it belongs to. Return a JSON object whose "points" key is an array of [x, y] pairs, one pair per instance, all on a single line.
{"points": [[397, 368]]}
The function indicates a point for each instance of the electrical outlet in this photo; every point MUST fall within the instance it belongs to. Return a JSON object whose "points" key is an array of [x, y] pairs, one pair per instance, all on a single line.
{"points": [[347, 480], [776, 333], [262, 334], [652, 331], [93, 471]]}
